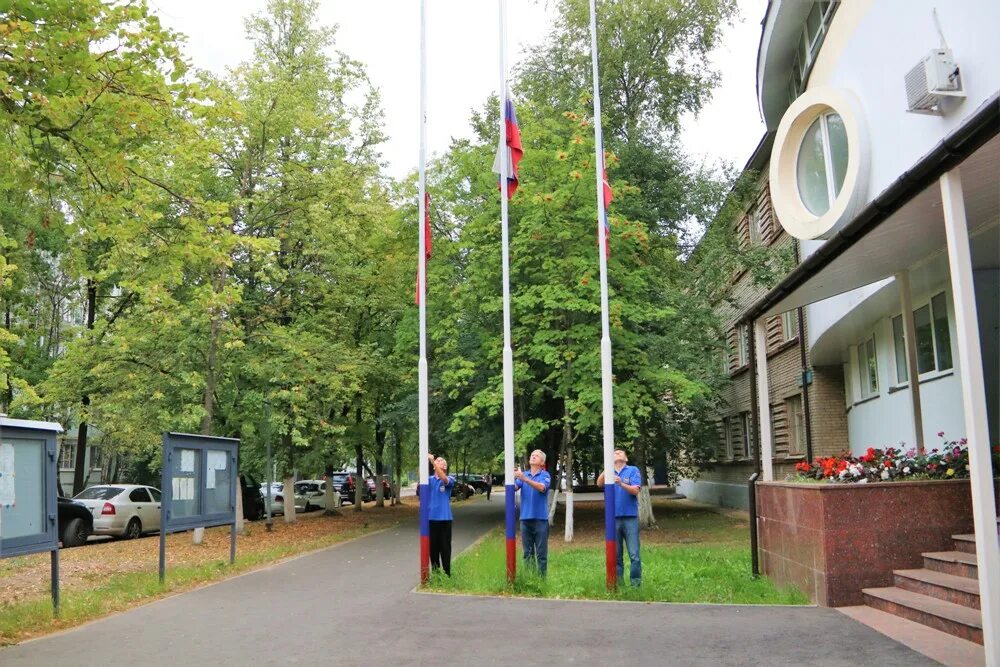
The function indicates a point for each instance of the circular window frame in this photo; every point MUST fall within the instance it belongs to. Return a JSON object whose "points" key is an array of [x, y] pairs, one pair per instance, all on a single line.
{"points": [[792, 213]]}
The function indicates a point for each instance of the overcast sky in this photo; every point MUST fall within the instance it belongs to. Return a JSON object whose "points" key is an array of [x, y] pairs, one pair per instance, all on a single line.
{"points": [[462, 64]]}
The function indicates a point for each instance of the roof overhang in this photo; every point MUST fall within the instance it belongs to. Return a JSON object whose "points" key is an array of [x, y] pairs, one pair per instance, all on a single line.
{"points": [[779, 37], [904, 224]]}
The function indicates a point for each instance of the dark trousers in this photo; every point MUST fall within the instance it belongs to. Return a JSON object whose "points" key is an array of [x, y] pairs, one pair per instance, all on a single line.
{"points": [[489, 488], [535, 542], [440, 534]]}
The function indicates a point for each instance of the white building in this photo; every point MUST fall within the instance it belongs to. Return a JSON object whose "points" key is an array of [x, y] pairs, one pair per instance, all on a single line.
{"points": [[886, 165]]}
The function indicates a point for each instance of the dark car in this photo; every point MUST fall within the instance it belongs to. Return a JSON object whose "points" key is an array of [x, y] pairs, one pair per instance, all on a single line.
{"points": [[76, 523], [477, 482], [462, 491], [344, 482], [253, 502]]}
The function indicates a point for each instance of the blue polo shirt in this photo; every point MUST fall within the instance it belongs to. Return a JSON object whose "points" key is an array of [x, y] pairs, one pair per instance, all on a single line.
{"points": [[439, 496], [533, 501], [625, 503]]}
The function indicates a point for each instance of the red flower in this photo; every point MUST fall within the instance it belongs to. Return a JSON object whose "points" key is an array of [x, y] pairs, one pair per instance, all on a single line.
{"points": [[888, 463], [803, 466]]}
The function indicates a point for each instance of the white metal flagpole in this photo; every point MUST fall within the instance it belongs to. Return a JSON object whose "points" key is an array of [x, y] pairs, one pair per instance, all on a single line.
{"points": [[508, 354], [421, 295], [607, 404]]}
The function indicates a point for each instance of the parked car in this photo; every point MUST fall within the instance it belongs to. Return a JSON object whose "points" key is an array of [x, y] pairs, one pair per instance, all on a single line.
{"points": [[76, 523], [278, 499], [462, 491], [372, 490], [345, 482], [122, 510], [253, 503], [477, 482], [314, 492]]}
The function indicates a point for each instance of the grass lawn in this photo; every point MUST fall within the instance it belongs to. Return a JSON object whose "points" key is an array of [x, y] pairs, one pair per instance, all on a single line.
{"points": [[694, 555], [105, 577]]}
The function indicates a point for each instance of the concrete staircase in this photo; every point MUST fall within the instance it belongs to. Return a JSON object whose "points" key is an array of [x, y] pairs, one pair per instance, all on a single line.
{"points": [[943, 595]]}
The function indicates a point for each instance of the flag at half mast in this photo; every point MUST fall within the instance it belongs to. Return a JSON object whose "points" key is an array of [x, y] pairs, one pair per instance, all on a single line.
{"points": [[608, 197], [512, 144], [427, 243]]}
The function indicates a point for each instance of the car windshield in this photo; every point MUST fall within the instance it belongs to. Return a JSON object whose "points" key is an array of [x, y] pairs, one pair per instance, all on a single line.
{"points": [[306, 487], [99, 493]]}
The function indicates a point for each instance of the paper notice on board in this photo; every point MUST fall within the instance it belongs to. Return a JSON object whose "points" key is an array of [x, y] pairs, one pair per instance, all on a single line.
{"points": [[182, 488], [7, 475], [187, 460], [210, 479], [217, 460]]}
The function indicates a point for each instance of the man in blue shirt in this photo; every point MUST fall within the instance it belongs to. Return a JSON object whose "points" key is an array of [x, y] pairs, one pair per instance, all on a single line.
{"points": [[534, 486], [439, 488], [628, 481]]}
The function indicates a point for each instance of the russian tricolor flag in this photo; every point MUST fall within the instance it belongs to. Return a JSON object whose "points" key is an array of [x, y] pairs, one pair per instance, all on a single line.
{"points": [[512, 145], [427, 242], [608, 197]]}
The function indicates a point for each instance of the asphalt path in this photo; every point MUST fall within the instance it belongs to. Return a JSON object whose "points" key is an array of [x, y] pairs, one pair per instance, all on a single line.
{"points": [[355, 604]]}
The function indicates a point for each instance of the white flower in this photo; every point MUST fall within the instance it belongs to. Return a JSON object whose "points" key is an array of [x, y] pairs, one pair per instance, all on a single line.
{"points": [[906, 470], [863, 480], [843, 473], [885, 474]]}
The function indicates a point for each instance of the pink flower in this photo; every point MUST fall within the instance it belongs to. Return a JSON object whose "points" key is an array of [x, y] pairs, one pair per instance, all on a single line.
{"points": [[940, 434]]}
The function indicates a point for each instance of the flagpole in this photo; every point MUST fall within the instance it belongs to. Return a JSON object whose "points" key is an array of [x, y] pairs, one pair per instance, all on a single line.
{"points": [[508, 355], [421, 294], [607, 406]]}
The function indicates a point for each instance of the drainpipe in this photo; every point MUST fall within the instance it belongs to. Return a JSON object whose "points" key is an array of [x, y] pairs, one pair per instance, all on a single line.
{"points": [[806, 416]]}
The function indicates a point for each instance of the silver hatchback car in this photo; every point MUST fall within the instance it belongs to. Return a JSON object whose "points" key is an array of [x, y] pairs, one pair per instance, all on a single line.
{"points": [[122, 510]]}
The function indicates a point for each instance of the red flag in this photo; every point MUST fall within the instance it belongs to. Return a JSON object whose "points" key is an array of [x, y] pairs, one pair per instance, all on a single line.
{"points": [[427, 242]]}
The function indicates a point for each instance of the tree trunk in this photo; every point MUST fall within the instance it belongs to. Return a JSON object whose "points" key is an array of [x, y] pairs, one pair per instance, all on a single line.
{"points": [[646, 518], [379, 466], [8, 392], [288, 495], [80, 465], [359, 482], [398, 487]]}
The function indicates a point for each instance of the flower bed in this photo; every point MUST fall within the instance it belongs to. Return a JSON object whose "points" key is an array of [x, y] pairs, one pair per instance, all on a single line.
{"points": [[951, 461]]}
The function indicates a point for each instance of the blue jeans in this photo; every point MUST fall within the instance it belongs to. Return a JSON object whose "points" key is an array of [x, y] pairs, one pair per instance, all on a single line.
{"points": [[627, 532], [535, 542]]}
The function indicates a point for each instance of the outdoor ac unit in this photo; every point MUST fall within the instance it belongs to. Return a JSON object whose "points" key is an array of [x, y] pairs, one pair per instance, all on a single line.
{"points": [[936, 76]]}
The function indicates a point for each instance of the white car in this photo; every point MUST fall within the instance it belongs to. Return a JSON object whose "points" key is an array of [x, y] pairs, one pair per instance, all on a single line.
{"points": [[122, 510], [278, 499], [314, 492]]}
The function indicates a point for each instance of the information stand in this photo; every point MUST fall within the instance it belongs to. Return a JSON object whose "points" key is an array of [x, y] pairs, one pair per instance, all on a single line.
{"points": [[199, 485]]}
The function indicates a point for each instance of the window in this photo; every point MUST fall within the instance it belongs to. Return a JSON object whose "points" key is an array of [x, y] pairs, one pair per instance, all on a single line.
{"points": [[742, 345], [796, 425], [868, 368], [822, 163], [930, 323], [67, 454], [139, 495], [789, 325], [746, 426], [755, 219], [810, 39], [155, 493], [727, 438]]}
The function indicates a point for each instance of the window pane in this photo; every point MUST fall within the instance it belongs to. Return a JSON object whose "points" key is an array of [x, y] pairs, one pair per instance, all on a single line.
{"points": [[942, 336], [156, 495], [813, 22], [217, 482], [899, 342], [186, 496], [838, 150], [22, 487], [811, 171], [872, 365], [925, 339]]}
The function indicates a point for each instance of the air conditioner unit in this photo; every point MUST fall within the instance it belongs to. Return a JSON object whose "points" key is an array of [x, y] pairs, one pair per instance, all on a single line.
{"points": [[935, 77]]}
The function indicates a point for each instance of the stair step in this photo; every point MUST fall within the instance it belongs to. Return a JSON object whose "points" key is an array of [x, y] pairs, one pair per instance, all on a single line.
{"points": [[938, 614], [966, 543], [947, 587], [958, 563]]}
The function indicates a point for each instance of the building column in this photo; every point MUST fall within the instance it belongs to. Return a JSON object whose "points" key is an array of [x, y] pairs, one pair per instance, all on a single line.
{"points": [[974, 405], [910, 339], [763, 400]]}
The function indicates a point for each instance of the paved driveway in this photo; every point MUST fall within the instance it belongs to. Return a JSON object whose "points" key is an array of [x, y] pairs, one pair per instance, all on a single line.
{"points": [[353, 604]]}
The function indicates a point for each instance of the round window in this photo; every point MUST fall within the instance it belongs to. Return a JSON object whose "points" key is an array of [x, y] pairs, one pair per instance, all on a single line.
{"points": [[822, 163]]}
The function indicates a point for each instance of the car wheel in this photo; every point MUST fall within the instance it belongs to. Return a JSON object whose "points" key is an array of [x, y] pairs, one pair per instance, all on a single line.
{"points": [[134, 529], [307, 508], [76, 533]]}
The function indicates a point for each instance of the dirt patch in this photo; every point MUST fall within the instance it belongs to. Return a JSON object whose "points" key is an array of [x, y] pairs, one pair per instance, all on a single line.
{"points": [[27, 577]]}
